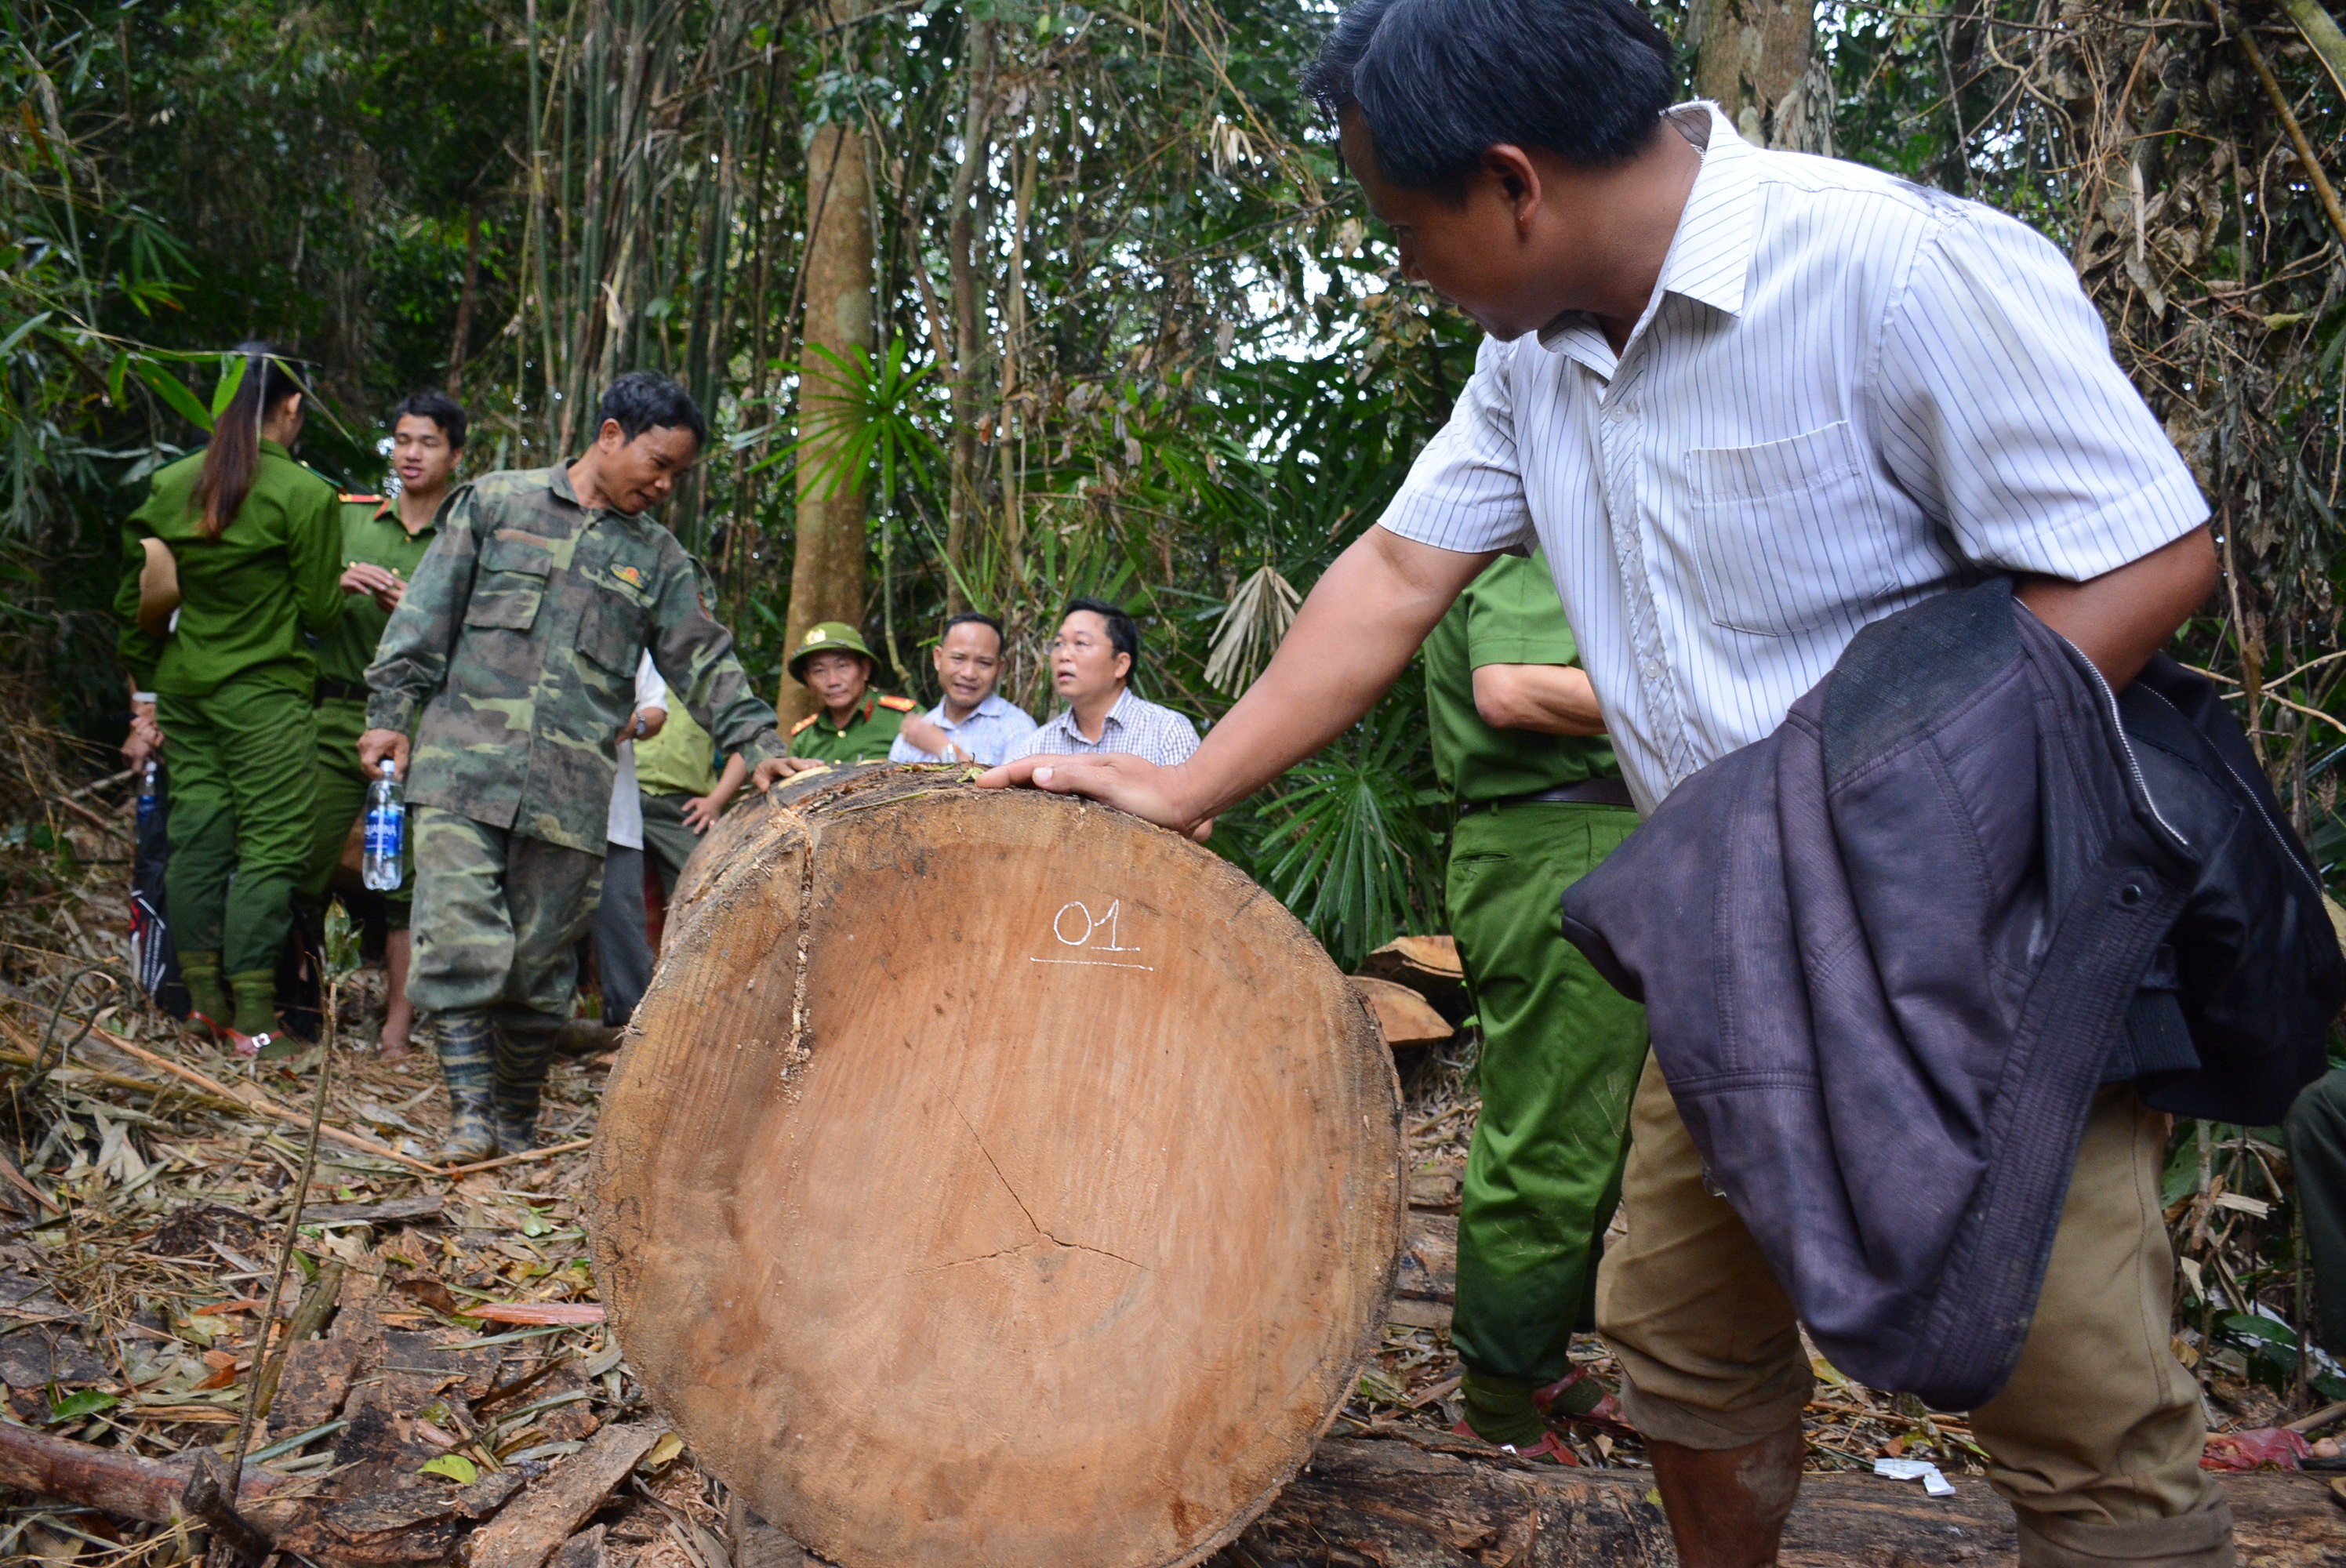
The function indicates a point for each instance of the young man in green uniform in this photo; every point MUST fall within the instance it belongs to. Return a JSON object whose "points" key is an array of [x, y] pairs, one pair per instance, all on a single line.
{"points": [[517, 645], [231, 683], [383, 542], [1518, 743], [854, 724]]}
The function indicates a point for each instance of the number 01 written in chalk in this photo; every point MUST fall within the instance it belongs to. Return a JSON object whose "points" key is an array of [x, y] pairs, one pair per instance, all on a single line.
{"points": [[1075, 926]]}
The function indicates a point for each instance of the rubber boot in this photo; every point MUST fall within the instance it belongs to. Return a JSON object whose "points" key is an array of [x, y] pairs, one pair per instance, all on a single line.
{"points": [[207, 1006], [255, 998], [467, 1050], [525, 1045]]}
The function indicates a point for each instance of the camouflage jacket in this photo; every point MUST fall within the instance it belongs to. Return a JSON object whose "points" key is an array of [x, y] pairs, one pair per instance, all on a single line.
{"points": [[519, 640]]}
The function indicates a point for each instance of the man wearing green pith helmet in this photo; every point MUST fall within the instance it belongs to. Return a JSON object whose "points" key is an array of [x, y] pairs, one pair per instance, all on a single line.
{"points": [[854, 724]]}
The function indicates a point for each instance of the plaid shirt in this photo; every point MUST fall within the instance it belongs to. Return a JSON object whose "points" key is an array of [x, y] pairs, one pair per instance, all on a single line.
{"points": [[1134, 724]]}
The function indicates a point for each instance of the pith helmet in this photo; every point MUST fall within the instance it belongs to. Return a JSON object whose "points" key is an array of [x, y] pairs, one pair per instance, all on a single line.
{"points": [[829, 636]]}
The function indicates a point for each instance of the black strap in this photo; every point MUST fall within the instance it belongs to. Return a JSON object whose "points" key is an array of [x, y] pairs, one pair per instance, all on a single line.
{"points": [[1588, 792], [335, 691]]}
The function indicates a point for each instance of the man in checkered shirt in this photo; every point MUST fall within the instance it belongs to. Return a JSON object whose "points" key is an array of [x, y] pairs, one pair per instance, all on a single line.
{"points": [[1092, 663]]}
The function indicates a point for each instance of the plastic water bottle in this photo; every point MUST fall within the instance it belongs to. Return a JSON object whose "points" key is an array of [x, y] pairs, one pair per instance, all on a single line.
{"points": [[386, 831], [150, 800]]}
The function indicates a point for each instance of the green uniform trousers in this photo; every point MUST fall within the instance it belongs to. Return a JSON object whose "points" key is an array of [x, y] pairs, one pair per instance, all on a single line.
{"points": [[668, 842], [498, 916], [242, 789], [2317, 1152], [1561, 1054], [341, 798]]}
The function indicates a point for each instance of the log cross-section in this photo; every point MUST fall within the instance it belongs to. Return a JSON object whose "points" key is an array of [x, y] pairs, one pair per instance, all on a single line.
{"points": [[994, 1180]]}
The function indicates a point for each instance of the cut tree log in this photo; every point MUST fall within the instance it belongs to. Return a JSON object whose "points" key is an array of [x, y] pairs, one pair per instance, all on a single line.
{"points": [[1397, 1504], [994, 1180], [1405, 1018], [1428, 965]]}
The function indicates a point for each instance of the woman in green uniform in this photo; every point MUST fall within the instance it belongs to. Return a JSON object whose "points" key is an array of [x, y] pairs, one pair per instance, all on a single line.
{"points": [[255, 539]]}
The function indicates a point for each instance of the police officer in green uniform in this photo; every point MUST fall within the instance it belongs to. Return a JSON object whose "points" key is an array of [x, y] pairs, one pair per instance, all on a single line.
{"points": [[1517, 742], [253, 535], [518, 645], [854, 724], [383, 542]]}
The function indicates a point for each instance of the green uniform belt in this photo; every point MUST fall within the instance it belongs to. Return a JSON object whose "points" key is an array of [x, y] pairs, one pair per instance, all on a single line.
{"points": [[1588, 792], [328, 691]]}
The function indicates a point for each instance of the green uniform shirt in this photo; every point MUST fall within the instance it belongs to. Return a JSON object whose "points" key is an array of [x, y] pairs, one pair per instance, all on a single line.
{"points": [[868, 734], [679, 760], [518, 641], [372, 532], [247, 597], [1509, 614]]}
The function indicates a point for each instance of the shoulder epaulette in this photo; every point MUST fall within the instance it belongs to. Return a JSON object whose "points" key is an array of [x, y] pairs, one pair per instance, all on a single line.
{"points": [[900, 704], [801, 724], [354, 498]]}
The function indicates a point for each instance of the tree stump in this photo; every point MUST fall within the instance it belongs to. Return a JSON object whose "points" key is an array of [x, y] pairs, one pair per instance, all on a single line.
{"points": [[994, 1179]]}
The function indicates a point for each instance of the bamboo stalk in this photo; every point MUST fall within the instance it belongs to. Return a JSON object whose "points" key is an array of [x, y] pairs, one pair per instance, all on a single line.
{"points": [[2287, 116], [2321, 34]]}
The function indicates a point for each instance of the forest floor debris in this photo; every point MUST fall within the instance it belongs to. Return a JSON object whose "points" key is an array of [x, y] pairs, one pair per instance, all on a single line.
{"points": [[440, 1366]]}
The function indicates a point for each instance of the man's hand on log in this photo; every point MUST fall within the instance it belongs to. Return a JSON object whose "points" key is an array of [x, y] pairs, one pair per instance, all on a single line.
{"points": [[774, 770], [1128, 783]]}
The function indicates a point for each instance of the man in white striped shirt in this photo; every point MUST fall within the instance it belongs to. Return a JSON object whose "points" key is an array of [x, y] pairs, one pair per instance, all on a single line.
{"points": [[1749, 402]]}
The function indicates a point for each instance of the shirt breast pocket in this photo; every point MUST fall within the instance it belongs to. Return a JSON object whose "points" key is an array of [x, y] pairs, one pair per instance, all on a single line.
{"points": [[611, 633], [1787, 532], [510, 585]]}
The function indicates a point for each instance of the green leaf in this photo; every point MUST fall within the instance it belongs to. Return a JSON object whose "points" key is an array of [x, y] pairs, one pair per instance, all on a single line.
{"points": [[232, 377], [2248, 1326], [81, 1403], [173, 390], [456, 1467], [114, 374], [18, 336]]}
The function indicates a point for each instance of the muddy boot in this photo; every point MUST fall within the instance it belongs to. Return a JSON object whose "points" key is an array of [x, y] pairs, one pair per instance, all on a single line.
{"points": [[584, 1037], [207, 1006], [468, 1062], [524, 1050]]}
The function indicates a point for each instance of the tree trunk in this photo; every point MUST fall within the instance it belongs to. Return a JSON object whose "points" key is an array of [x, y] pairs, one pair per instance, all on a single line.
{"points": [[1758, 60], [827, 571], [998, 1181], [965, 290], [1398, 1504], [462, 338]]}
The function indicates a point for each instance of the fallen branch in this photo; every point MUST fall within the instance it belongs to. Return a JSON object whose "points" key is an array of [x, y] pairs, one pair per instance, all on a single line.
{"points": [[121, 1483], [548, 1153], [255, 1100]]}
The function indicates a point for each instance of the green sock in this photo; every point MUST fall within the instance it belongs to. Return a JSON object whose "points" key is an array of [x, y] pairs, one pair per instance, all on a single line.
{"points": [[200, 973], [1500, 1408], [256, 1002]]}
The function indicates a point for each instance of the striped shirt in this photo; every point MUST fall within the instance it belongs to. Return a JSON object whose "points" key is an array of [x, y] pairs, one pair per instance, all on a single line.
{"points": [[1134, 724], [1847, 393], [994, 732]]}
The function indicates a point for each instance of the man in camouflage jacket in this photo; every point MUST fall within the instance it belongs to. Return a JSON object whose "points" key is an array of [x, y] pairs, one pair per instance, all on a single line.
{"points": [[518, 641]]}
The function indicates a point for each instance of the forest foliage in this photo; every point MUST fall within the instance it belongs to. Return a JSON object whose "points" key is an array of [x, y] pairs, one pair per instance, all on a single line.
{"points": [[1131, 331]]}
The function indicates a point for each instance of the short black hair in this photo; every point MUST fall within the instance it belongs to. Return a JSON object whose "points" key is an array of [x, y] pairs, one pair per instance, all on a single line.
{"points": [[976, 618], [642, 399], [439, 408], [1123, 631], [1440, 81]]}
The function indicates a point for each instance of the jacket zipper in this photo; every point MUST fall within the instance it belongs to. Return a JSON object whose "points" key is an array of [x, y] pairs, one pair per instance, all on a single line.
{"points": [[2126, 742]]}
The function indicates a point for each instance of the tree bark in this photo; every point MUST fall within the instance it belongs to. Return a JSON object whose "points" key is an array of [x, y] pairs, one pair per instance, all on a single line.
{"points": [[827, 570], [995, 1181], [461, 339], [965, 291], [1758, 60], [1401, 1504]]}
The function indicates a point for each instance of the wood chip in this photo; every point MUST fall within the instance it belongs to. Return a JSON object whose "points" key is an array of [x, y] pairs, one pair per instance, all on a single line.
{"points": [[530, 1529]]}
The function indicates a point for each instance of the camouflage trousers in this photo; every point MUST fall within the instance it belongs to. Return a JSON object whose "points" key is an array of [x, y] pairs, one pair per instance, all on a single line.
{"points": [[497, 918]]}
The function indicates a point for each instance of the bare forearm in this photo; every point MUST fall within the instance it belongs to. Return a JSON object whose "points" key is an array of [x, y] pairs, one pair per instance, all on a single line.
{"points": [[1547, 698], [2122, 617], [1350, 641]]}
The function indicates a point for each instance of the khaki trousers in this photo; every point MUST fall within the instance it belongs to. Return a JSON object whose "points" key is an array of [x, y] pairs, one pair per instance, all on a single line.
{"points": [[2095, 1441]]}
